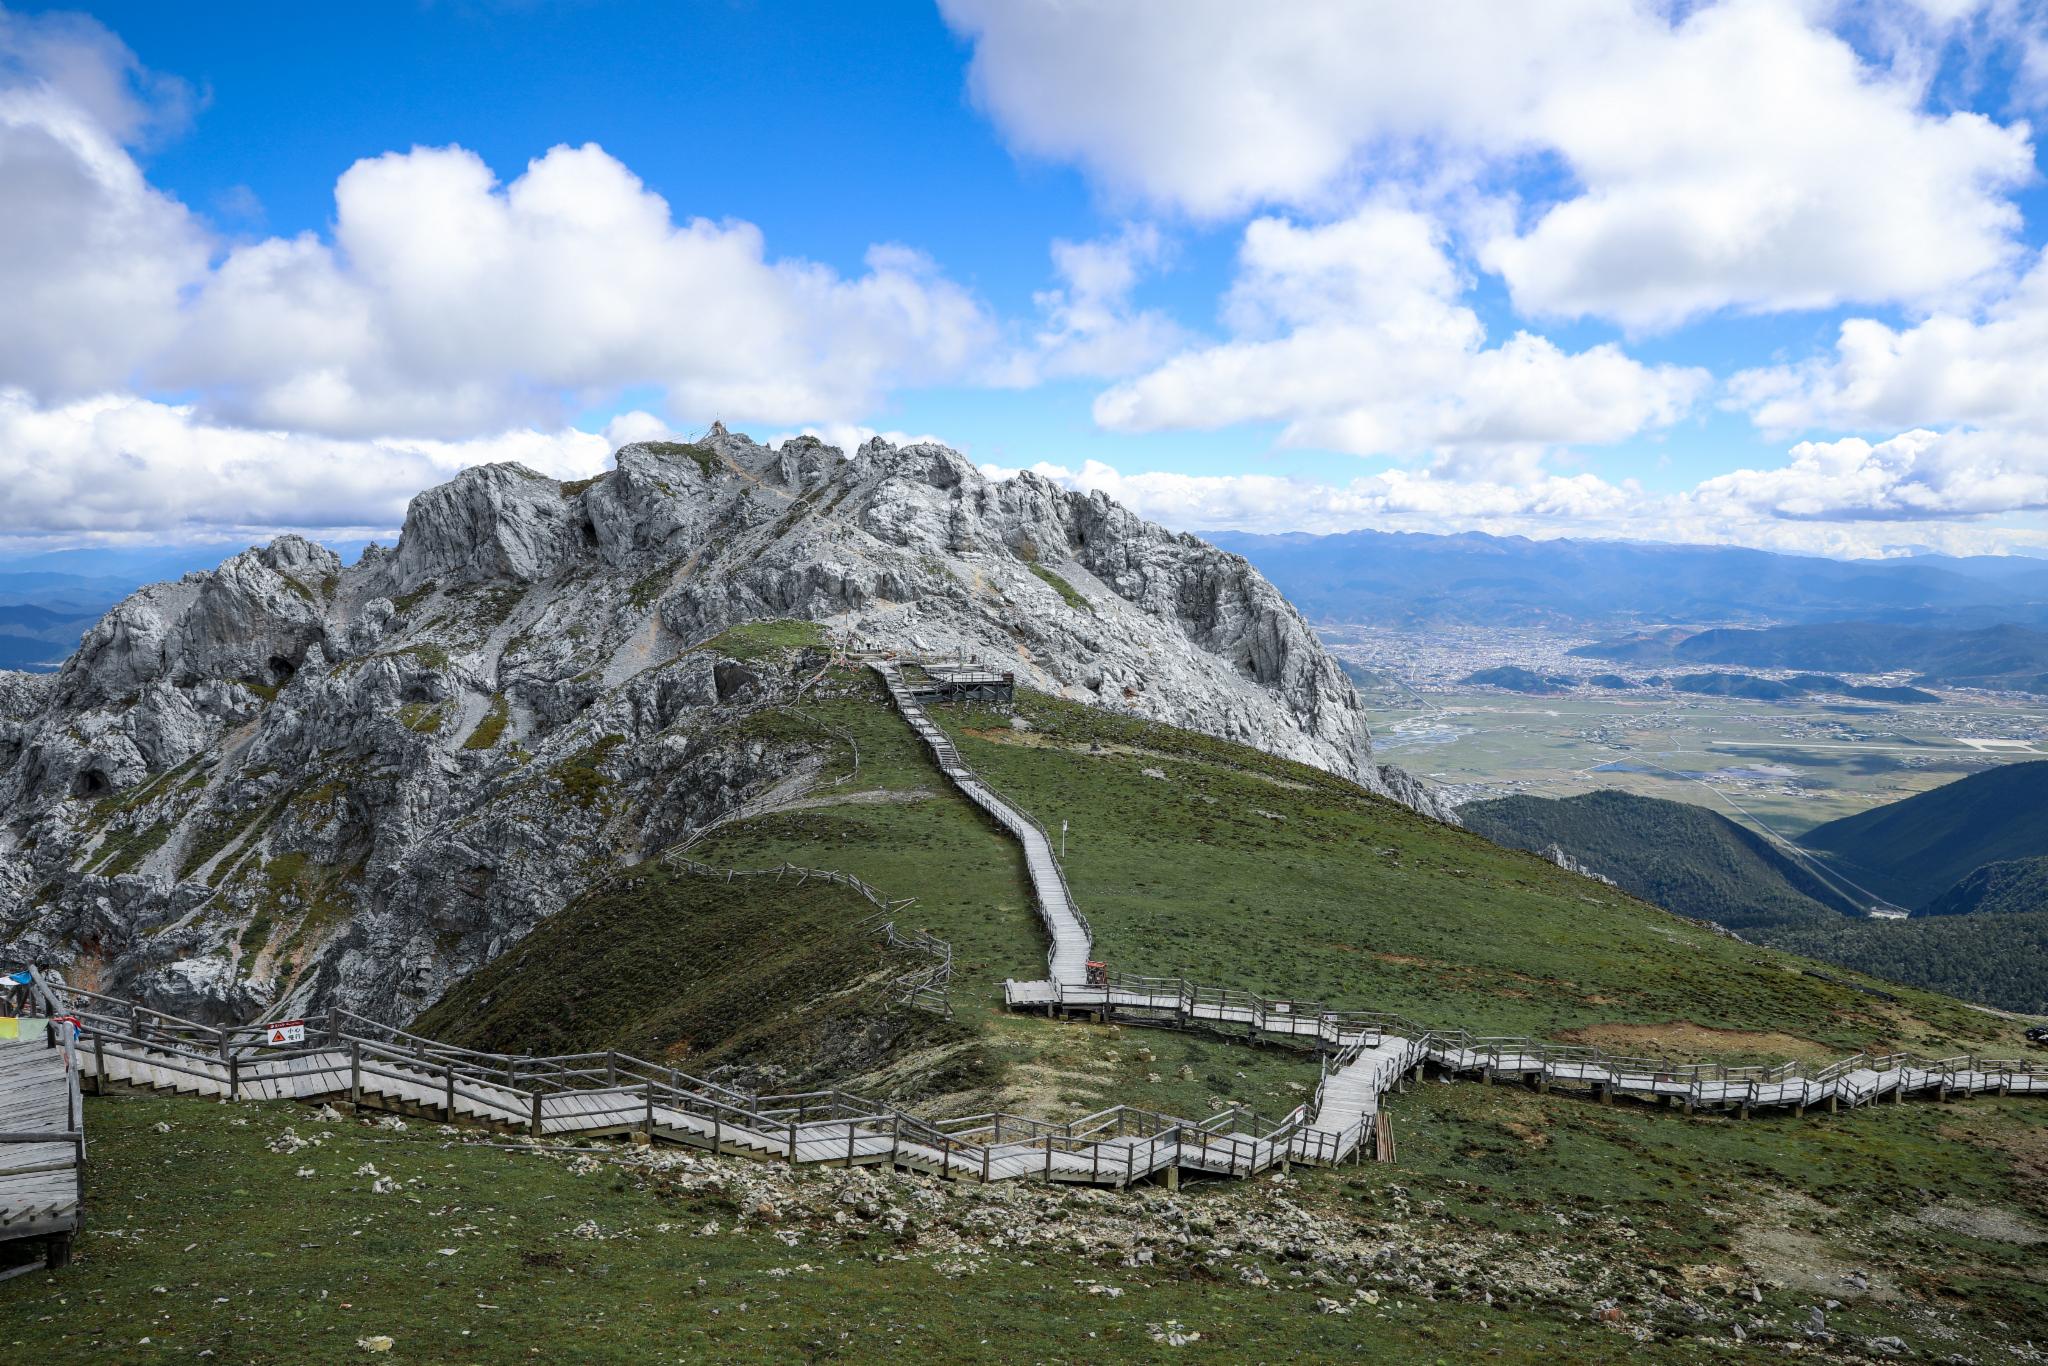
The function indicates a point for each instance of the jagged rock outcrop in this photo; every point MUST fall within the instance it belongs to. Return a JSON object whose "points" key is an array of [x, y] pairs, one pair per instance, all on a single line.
{"points": [[290, 780]]}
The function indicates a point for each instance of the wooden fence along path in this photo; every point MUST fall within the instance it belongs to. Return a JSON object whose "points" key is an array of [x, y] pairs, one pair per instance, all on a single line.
{"points": [[42, 1144], [1067, 959], [1366, 1053], [341, 1056]]}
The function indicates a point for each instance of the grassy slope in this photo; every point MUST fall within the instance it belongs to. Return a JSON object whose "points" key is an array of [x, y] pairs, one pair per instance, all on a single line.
{"points": [[930, 843], [291, 1269], [1914, 850], [697, 973], [1243, 869], [1678, 855], [1345, 896]]}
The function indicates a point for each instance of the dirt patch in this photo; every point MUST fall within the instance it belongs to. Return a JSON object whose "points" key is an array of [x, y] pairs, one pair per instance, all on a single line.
{"points": [[1683, 1038], [871, 797], [1989, 1222], [1777, 1240], [1408, 960]]}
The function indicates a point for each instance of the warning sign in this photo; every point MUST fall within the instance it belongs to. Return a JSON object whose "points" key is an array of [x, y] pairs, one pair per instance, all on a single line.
{"points": [[287, 1031]]}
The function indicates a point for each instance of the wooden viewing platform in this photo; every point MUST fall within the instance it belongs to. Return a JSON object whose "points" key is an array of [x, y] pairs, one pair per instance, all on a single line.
{"points": [[971, 682], [42, 1151]]}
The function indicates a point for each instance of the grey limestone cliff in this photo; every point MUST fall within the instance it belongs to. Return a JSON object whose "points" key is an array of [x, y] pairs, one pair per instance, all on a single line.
{"points": [[288, 781]]}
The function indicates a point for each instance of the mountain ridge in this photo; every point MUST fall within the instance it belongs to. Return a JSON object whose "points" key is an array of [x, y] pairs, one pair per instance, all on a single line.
{"points": [[289, 781]]}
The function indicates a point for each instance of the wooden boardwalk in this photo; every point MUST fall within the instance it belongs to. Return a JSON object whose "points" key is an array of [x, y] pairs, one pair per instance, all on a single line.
{"points": [[1065, 926], [344, 1057], [1367, 1054], [42, 1148]]}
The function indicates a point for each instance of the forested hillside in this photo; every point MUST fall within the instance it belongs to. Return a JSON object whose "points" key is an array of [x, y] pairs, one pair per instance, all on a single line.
{"points": [[1680, 856], [1914, 850]]}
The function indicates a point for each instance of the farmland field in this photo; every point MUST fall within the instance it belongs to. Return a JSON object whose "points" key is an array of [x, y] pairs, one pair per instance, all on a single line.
{"points": [[1785, 765]]}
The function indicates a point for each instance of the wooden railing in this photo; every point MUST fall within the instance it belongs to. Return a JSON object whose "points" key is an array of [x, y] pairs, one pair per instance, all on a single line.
{"points": [[1346, 1034], [967, 778], [358, 1058]]}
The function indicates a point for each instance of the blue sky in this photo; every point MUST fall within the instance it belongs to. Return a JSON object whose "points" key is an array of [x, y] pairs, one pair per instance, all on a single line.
{"points": [[1573, 269]]}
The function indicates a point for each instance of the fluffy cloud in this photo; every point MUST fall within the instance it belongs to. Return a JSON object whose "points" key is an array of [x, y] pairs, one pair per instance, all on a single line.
{"points": [[1914, 476], [1747, 159], [1089, 326], [444, 304], [1737, 155], [1983, 370], [447, 302], [1760, 508], [92, 260], [1351, 334], [100, 467], [1966, 387]]}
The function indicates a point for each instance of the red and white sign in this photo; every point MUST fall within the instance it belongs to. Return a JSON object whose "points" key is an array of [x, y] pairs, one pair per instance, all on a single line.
{"points": [[287, 1031]]}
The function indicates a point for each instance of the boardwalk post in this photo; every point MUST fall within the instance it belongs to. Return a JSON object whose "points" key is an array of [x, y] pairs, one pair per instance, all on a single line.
{"points": [[647, 1127], [234, 1078], [355, 1074], [448, 1095], [533, 1122], [99, 1065]]}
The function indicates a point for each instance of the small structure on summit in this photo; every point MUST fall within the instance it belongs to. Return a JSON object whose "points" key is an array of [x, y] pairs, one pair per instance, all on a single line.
{"points": [[970, 682]]}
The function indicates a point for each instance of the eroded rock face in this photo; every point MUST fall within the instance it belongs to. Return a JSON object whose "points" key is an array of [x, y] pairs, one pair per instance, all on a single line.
{"points": [[289, 780]]}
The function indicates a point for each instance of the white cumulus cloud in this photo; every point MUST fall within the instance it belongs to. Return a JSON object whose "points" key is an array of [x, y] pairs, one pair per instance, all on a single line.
{"points": [[1353, 336], [1737, 154], [113, 465], [1983, 369], [1917, 475], [444, 302]]}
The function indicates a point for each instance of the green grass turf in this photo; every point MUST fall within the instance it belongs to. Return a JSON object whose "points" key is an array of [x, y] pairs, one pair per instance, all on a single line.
{"points": [[1241, 869], [203, 1238]]}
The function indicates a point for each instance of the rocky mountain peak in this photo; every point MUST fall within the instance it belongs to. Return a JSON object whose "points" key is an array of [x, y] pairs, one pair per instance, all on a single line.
{"points": [[289, 779]]}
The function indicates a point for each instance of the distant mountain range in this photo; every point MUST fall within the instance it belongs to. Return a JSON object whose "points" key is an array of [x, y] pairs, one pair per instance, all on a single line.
{"points": [[2014, 658], [1515, 678], [49, 600], [1968, 859], [1404, 578]]}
